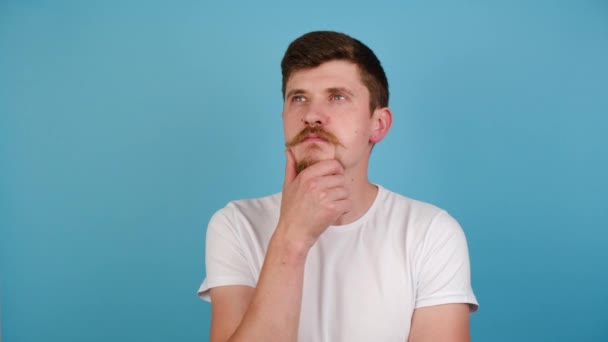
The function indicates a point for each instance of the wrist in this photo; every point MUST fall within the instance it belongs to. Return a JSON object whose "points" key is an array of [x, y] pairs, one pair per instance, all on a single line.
{"points": [[293, 247]]}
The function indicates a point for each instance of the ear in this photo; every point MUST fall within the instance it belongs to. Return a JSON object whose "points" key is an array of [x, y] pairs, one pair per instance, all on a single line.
{"points": [[382, 119]]}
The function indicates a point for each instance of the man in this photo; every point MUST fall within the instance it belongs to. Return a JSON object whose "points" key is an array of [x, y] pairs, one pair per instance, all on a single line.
{"points": [[334, 257]]}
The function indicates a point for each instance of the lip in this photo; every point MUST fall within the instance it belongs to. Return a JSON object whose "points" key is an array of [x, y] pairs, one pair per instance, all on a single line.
{"points": [[314, 138]]}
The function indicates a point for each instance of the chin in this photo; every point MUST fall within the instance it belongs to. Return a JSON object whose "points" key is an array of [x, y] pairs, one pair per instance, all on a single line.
{"points": [[311, 154], [315, 152], [303, 164]]}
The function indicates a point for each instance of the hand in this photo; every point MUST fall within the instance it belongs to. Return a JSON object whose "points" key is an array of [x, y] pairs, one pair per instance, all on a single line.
{"points": [[312, 200]]}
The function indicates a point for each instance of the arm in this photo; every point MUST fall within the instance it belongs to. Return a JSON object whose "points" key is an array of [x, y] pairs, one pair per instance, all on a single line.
{"points": [[446, 323], [229, 304], [311, 201], [444, 295], [269, 312]]}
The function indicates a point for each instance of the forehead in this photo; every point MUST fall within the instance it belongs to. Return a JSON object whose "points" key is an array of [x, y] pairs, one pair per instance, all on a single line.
{"points": [[330, 74]]}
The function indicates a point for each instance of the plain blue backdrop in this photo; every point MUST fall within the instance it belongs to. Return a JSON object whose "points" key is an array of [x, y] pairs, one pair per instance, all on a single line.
{"points": [[125, 124]]}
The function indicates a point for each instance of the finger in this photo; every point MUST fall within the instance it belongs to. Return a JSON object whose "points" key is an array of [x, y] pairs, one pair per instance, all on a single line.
{"points": [[343, 206], [337, 194], [324, 168], [328, 182], [290, 168]]}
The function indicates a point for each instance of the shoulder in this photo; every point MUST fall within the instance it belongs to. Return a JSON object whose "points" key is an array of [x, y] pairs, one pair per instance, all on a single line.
{"points": [[415, 211], [256, 205], [252, 214], [420, 218], [251, 206]]}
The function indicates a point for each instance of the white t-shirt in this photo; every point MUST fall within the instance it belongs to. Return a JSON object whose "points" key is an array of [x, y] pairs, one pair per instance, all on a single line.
{"points": [[362, 280]]}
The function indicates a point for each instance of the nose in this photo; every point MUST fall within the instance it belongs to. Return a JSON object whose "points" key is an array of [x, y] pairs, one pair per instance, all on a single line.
{"points": [[314, 116]]}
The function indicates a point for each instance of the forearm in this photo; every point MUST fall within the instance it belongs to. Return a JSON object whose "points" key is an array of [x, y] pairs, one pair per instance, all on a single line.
{"points": [[311, 201], [274, 311]]}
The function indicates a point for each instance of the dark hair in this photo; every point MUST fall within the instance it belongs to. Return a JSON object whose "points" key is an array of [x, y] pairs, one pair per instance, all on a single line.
{"points": [[314, 48]]}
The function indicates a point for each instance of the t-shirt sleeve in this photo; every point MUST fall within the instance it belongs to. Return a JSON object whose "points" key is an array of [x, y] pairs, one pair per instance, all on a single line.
{"points": [[226, 263], [443, 267]]}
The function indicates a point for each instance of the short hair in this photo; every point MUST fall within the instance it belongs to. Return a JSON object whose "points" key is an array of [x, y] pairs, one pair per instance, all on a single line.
{"points": [[314, 48]]}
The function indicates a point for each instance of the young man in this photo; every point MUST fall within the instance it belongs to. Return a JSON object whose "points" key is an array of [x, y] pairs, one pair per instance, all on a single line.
{"points": [[334, 257]]}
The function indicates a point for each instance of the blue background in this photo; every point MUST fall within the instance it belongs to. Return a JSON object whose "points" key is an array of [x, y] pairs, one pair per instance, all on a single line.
{"points": [[125, 124]]}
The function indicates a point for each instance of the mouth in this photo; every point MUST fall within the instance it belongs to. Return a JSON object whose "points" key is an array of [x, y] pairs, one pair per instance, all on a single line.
{"points": [[313, 138]]}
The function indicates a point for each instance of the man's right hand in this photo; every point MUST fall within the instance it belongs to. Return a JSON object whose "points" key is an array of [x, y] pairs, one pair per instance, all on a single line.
{"points": [[312, 200]]}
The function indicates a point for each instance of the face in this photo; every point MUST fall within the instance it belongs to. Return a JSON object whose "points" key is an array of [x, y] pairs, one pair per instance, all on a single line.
{"points": [[326, 115]]}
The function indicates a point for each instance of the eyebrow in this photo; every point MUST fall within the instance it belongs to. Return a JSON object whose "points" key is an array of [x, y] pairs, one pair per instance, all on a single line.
{"points": [[295, 92], [340, 90], [328, 90]]}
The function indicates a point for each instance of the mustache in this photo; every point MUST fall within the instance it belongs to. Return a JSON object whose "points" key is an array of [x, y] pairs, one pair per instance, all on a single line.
{"points": [[316, 130]]}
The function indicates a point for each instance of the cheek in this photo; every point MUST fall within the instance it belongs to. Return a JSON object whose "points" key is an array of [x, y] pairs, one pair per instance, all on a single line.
{"points": [[359, 135], [290, 127]]}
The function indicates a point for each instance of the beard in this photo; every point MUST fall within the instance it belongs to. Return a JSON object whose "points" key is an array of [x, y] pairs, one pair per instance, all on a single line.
{"points": [[304, 163], [307, 162], [312, 157], [300, 137]]}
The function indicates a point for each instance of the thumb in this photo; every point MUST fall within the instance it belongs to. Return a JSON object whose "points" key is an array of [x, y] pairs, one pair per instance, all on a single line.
{"points": [[290, 168]]}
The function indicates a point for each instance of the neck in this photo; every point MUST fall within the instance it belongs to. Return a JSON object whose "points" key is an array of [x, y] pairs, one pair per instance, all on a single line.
{"points": [[362, 193]]}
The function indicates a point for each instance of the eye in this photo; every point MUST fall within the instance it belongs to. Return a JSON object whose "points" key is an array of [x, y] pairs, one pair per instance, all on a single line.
{"points": [[298, 98], [338, 97]]}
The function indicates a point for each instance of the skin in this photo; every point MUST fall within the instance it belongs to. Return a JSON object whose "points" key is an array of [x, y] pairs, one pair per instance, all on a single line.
{"points": [[333, 190]]}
